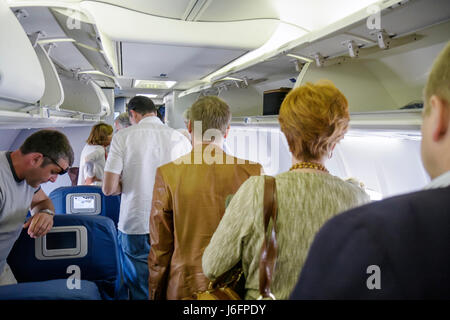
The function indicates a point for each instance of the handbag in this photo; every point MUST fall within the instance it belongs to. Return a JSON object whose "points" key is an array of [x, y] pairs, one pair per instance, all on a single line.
{"points": [[231, 284]]}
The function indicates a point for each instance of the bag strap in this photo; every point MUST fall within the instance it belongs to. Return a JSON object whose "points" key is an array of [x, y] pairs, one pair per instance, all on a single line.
{"points": [[269, 248]]}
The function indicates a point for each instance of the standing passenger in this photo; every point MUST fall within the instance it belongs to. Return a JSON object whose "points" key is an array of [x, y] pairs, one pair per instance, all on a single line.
{"points": [[122, 121], [184, 131], [93, 155], [313, 117], [42, 157], [134, 155], [189, 201], [397, 248]]}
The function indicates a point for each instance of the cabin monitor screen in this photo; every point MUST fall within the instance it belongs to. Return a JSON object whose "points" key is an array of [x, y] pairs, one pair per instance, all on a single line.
{"points": [[83, 203], [61, 240]]}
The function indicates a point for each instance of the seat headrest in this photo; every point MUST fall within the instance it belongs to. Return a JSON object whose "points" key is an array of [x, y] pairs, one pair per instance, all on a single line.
{"points": [[109, 205]]}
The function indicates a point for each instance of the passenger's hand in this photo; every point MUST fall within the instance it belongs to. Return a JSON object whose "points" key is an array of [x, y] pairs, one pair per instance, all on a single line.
{"points": [[39, 224], [91, 180]]}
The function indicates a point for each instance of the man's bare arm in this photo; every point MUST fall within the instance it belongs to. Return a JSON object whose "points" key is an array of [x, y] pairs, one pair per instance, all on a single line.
{"points": [[111, 184], [41, 222]]}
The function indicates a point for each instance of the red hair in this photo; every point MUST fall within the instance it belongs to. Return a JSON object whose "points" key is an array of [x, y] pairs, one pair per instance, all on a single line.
{"points": [[314, 117]]}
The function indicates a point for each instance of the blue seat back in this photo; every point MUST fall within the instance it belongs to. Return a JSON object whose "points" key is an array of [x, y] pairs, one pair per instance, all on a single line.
{"points": [[98, 263], [109, 205], [49, 290]]}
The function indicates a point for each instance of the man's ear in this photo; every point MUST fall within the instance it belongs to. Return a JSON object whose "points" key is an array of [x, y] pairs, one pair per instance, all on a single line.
{"points": [[189, 127], [226, 132], [35, 159], [441, 117]]}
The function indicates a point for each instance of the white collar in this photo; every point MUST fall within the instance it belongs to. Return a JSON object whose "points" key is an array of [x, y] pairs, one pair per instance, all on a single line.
{"points": [[440, 182], [151, 119]]}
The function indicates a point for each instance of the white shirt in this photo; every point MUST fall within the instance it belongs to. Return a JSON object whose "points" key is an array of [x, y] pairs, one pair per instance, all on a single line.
{"points": [[135, 153], [439, 182], [95, 154]]}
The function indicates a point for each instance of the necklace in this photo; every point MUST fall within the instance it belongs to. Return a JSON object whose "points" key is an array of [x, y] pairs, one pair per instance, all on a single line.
{"points": [[309, 165]]}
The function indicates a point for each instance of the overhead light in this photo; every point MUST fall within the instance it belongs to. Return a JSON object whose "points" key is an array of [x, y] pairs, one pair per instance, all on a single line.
{"points": [[153, 84], [149, 95]]}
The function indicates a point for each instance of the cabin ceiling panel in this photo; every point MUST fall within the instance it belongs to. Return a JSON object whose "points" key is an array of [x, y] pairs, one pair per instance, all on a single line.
{"points": [[202, 10], [178, 63], [232, 10], [173, 9], [121, 24]]}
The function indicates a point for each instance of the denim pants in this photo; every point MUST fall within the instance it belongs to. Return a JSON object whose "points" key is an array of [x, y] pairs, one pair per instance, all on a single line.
{"points": [[134, 250]]}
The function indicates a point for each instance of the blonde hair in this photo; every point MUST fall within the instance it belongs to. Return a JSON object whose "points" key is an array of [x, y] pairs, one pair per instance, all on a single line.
{"points": [[212, 111], [186, 114], [314, 117], [100, 134], [438, 82]]}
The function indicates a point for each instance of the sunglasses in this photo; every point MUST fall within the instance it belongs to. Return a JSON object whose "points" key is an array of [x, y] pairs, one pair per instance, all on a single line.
{"points": [[63, 171]]}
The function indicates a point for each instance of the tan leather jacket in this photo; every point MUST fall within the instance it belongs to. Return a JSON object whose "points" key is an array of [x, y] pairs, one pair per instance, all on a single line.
{"points": [[188, 204]]}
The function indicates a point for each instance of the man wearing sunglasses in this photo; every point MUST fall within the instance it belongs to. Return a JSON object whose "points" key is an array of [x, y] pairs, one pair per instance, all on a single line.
{"points": [[42, 157]]}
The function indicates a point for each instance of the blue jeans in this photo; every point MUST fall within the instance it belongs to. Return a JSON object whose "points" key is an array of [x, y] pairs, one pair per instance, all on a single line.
{"points": [[133, 253]]}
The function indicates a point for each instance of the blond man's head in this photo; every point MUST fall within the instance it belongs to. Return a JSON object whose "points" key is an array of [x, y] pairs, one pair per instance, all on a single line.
{"points": [[438, 82], [435, 129], [314, 117], [213, 113]]}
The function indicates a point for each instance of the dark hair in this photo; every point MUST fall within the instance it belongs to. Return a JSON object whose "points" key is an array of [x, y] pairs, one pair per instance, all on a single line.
{"points": [[160, 113], [50, 143], [141, 105]]}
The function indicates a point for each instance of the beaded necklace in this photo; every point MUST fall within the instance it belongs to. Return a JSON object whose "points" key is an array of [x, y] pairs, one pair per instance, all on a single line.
{"points": [[309, 165]]}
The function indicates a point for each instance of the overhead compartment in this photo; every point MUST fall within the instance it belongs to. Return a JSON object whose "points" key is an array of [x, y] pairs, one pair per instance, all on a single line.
{"points": [[37, 87], [84, 97], [381, 69], [379, 59], [21, 77], [53, 95]]}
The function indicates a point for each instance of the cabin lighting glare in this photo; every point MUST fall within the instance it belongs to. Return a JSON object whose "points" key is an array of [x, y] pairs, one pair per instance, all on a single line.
{"points": [[149, 95], [151, 84]]}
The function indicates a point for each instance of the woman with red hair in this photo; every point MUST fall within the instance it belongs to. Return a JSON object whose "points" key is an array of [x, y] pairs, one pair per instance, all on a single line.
{"points": [[314, 118], [93, 155]]}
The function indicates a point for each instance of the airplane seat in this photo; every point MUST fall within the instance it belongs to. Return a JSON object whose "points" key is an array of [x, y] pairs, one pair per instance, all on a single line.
{"points": [[73, 175], [49, 290], [85, 200], [78, 247]]}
